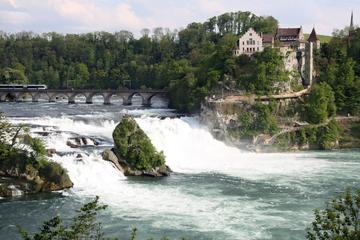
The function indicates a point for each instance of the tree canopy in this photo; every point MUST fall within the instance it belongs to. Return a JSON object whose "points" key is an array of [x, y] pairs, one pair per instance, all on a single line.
{"points": [[190, 62]]}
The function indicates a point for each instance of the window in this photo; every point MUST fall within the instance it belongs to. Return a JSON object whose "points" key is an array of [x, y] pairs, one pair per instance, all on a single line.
{"points": [[258, 48], [243, 43], [250, 34]]}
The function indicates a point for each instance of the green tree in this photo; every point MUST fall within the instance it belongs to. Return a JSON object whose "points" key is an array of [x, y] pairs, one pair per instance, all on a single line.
{"points": [[320, 105]]}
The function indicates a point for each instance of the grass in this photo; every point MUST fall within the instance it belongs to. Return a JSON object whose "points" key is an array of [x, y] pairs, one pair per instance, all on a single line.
{"points": [[322, 38]]}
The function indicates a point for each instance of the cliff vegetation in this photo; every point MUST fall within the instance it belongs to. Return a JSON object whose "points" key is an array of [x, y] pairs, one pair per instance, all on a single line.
{"points": [[24, 166]]}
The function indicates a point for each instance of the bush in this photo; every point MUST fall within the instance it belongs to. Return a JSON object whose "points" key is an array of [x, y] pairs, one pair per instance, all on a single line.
{"points": [[340, 219], [53, 172], [328, 136], [258, 121]]}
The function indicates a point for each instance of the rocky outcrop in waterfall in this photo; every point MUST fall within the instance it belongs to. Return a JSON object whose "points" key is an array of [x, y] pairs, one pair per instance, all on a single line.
{"points": [[22, 174], [133, 153]]}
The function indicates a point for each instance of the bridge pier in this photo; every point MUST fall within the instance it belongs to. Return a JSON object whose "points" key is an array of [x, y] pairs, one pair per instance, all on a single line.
{"points": [[146, 102], [89, 100], [127, 102]]}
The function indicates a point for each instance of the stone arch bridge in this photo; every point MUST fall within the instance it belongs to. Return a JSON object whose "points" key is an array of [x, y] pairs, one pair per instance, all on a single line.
{"points": [[18, 95]]}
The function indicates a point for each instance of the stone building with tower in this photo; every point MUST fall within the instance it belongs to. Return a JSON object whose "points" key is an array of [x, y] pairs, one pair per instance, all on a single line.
{"points": [[297, 52]]}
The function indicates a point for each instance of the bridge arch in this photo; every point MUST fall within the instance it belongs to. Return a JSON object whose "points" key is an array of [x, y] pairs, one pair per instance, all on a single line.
{"points": [[3, 97], [134, 98], [157, 100], [24, 96], [37, 96], [58, 97], [94, 96], [8, 97], [74, 97]]}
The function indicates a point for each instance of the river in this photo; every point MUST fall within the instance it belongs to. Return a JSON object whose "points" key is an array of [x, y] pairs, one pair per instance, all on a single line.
{"points": [[215, 192]]}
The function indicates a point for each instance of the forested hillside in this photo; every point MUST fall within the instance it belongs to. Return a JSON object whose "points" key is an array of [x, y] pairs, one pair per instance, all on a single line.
{"points": [[338, 65], [189, 62]]}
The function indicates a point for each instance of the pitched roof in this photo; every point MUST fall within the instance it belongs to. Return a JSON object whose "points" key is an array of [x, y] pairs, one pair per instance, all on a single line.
{"points": [[288, 32], [313, 37], [268, 38]]}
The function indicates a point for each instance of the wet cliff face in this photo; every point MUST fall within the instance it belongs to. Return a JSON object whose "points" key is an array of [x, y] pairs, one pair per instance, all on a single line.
{"points": [[221, 118]]}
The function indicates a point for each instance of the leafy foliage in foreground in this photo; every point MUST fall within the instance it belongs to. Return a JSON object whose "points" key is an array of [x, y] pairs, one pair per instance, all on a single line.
{"points": [[339, 221], [83, 226]]}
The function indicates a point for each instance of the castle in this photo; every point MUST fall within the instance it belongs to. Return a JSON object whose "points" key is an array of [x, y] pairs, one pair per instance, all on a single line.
{"points": [[252, 42], [297, 52]]}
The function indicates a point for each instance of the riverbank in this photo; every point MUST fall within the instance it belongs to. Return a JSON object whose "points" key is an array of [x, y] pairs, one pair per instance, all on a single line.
{"points": [[225, 119]]}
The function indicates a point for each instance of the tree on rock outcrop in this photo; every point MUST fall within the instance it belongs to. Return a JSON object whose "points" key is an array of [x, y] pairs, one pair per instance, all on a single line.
{"points": [[133, 145]]}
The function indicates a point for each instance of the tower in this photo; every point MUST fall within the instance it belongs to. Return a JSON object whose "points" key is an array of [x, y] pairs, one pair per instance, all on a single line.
{"points": [[309, 64], [351, 28], [314, 39]]}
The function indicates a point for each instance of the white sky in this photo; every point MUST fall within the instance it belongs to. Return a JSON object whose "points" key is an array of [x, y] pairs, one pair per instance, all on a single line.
{"points": [[77, 16]]}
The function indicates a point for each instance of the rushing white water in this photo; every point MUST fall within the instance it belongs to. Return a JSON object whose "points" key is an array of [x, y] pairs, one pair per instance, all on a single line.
{"points": [[190, 151], [188, 146]]}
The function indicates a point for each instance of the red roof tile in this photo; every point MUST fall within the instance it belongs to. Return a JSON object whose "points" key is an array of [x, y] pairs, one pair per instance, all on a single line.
{"points": [[268, 38], [287, 32]]}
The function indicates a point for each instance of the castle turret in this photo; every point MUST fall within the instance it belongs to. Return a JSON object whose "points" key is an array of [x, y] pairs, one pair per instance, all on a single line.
{"points": [[314, 39], [352, 22], [351, 28]]}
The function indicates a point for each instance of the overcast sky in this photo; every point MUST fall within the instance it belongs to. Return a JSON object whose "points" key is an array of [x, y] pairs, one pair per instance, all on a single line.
{"points": [[73, 16]]}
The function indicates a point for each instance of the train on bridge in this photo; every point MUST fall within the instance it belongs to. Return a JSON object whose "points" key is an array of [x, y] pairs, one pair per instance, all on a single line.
{"points": [[22, 86]]}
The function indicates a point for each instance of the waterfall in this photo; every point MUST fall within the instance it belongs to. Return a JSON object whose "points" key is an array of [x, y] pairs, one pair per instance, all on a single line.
{"points": [[188, 146]]}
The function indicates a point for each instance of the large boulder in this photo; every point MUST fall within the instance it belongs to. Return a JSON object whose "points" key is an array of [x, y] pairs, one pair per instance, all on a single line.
{"points": [[133, 153], [109, 155]]}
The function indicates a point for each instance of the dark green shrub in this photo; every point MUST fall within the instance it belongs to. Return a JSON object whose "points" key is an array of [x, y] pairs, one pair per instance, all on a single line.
{"points": [[340, 219]]}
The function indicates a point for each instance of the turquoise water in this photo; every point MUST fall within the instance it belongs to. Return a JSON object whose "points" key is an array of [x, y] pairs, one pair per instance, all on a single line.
{"points": [[216, 192]]}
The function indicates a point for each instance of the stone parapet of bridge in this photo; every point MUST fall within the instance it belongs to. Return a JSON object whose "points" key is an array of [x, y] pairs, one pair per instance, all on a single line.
{"points": [[18, 95]]}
